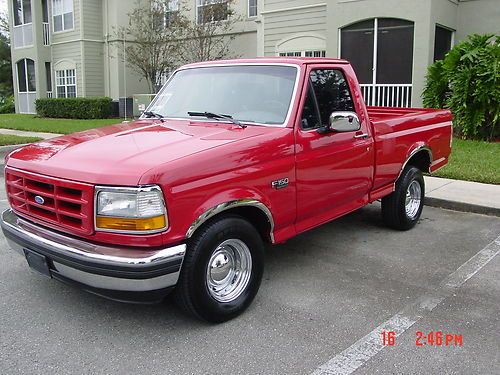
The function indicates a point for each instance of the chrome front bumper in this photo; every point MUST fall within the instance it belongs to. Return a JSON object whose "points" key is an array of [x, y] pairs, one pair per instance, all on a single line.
{"points": [[126, 274]]}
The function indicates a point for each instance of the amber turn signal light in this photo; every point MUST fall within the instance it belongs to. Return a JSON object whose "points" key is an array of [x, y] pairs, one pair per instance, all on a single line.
{"points": [[131, 224]]}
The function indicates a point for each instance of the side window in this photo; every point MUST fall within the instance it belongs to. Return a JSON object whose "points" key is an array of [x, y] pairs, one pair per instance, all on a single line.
{"points": [[332, 92], [310, 117]]}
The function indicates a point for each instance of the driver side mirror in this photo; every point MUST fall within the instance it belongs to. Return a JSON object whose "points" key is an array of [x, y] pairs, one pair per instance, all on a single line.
{"points": [[342, 122]]}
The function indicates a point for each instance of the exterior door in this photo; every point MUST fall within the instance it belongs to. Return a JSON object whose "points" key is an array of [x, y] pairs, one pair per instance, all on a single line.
{"points": [[334, 171]]}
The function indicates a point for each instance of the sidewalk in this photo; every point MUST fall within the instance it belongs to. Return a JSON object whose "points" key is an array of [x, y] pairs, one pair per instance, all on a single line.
{"points": [[462, 195], [28, 134]]}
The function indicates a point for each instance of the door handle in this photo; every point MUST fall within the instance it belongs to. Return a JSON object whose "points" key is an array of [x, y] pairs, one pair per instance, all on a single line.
{"points": [[361, 136]]}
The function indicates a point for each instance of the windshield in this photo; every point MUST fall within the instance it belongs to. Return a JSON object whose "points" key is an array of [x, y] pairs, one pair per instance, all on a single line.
{"points": [[247, 93]]}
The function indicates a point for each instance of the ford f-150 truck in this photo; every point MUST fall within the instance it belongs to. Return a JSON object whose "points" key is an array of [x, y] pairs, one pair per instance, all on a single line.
{"points": [[229, 156]]}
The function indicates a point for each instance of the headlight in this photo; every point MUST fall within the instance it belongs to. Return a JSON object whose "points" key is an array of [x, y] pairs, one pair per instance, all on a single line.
{"points": [[130, 209]]}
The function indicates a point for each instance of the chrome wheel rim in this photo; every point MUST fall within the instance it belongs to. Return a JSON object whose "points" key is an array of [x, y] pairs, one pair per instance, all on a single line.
{"points": [[413, 198], [228, 270]]}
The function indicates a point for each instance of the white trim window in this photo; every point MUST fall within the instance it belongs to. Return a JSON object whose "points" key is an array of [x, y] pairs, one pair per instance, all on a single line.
{"points": [[62, 13], [22, 32], [252, 8], [22, 12], [164, 11], [211, 10], [171, 11], [66, 83]]}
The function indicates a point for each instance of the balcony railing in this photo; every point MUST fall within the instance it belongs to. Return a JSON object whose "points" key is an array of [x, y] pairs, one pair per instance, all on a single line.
{"points": [[22, 35], [27, 102], [46, 34], [387, 95], [49, 94]]}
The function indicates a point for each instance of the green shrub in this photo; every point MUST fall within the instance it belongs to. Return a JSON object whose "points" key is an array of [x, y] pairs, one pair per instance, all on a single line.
{"points": [[436, 90], [74, 108], [467, 82], [7, 105]]}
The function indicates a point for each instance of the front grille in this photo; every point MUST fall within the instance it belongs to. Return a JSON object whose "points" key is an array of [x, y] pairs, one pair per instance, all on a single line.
{"points": [[65, 205]]}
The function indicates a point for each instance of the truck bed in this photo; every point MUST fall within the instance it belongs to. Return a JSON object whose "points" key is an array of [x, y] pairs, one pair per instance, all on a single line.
{"points": [[384, 114], [398, 132]]}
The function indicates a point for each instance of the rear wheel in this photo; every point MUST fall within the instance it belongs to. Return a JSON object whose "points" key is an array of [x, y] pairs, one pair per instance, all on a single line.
{"points": [[402, 209], [222, 270]]}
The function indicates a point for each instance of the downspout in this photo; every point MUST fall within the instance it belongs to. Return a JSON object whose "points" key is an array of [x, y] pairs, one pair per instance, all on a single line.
{"points": [[125, 76], [106, 36], [82, 53]]}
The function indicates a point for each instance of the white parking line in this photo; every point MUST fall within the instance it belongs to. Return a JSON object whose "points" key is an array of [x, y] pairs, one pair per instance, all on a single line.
{"points": [[368, 346]]}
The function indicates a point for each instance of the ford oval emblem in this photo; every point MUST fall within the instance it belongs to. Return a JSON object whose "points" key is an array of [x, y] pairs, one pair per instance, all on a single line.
{"points": [[39, 199]]}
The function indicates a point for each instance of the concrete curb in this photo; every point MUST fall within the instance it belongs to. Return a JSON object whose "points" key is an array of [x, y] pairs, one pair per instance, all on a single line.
{"points": [[461, 206]]}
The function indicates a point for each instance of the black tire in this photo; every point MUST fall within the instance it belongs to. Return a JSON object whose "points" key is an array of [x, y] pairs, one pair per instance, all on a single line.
{"points": [[394, 205], [192, 293]]}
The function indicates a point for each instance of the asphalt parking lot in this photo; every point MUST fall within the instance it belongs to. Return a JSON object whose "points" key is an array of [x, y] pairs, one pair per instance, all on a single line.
{"points": [[323, 294]]}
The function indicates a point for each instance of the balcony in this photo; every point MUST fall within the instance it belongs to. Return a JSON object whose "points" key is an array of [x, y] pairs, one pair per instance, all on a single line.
{"points": [[22, 36], [387, 95], [46, 34], [27, 102]]}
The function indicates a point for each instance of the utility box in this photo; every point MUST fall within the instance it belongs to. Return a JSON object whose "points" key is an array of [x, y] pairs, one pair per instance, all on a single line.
{"points": [[125, 107], [141, 102]]}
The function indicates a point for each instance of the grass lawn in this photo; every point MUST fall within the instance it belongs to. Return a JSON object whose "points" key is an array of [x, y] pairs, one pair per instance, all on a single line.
{"points": [[473, 161], [46, 125], [7, 139]]}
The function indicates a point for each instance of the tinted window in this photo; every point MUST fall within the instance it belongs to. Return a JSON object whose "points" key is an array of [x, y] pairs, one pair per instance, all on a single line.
{"points": [[310, 118], [332, 92], [442, 42]]}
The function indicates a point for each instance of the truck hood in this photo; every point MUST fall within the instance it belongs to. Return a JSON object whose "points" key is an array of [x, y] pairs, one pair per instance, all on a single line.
{"points": [[121, 154]]}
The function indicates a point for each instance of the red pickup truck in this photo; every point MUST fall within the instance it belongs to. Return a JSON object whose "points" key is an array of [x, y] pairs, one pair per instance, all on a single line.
{"points": [[229, 156]]}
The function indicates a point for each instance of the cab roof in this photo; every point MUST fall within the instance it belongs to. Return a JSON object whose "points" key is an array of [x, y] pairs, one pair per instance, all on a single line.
{"points": [[273, 60]]}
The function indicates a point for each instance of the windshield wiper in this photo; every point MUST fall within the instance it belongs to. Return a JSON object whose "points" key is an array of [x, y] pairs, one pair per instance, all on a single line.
{"points": [[218, 116], [150, 114]]}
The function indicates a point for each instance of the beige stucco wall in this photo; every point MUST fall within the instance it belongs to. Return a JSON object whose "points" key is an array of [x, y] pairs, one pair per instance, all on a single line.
{"points": [[478, 16], [121, 79], [244, 43]]}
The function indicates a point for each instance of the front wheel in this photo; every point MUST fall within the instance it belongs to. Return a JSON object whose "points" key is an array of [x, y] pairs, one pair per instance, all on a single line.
{"points": [[222, 270], [402, 209]]}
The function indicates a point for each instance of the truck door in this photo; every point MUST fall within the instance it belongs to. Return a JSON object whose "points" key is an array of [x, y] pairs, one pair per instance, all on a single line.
{"points": [[334, 170]]}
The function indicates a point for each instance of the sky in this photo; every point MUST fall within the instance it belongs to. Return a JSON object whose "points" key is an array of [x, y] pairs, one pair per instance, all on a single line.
{"points": [[3, 6]]}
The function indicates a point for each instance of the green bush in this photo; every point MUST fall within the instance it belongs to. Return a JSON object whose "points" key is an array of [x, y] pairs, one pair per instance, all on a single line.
{"points": [[467, 82], [7, 105], [74, 108]]}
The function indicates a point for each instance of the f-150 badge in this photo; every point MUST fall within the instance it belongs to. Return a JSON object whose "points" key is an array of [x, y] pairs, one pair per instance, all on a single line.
{"points": [[280, 184]]}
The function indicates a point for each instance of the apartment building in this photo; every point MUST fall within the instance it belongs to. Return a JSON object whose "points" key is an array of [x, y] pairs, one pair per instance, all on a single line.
{"points": [[67, 48]]}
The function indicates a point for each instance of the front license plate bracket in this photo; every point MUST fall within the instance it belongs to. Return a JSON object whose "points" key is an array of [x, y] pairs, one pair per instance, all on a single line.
{"points": [[37, 262]]}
